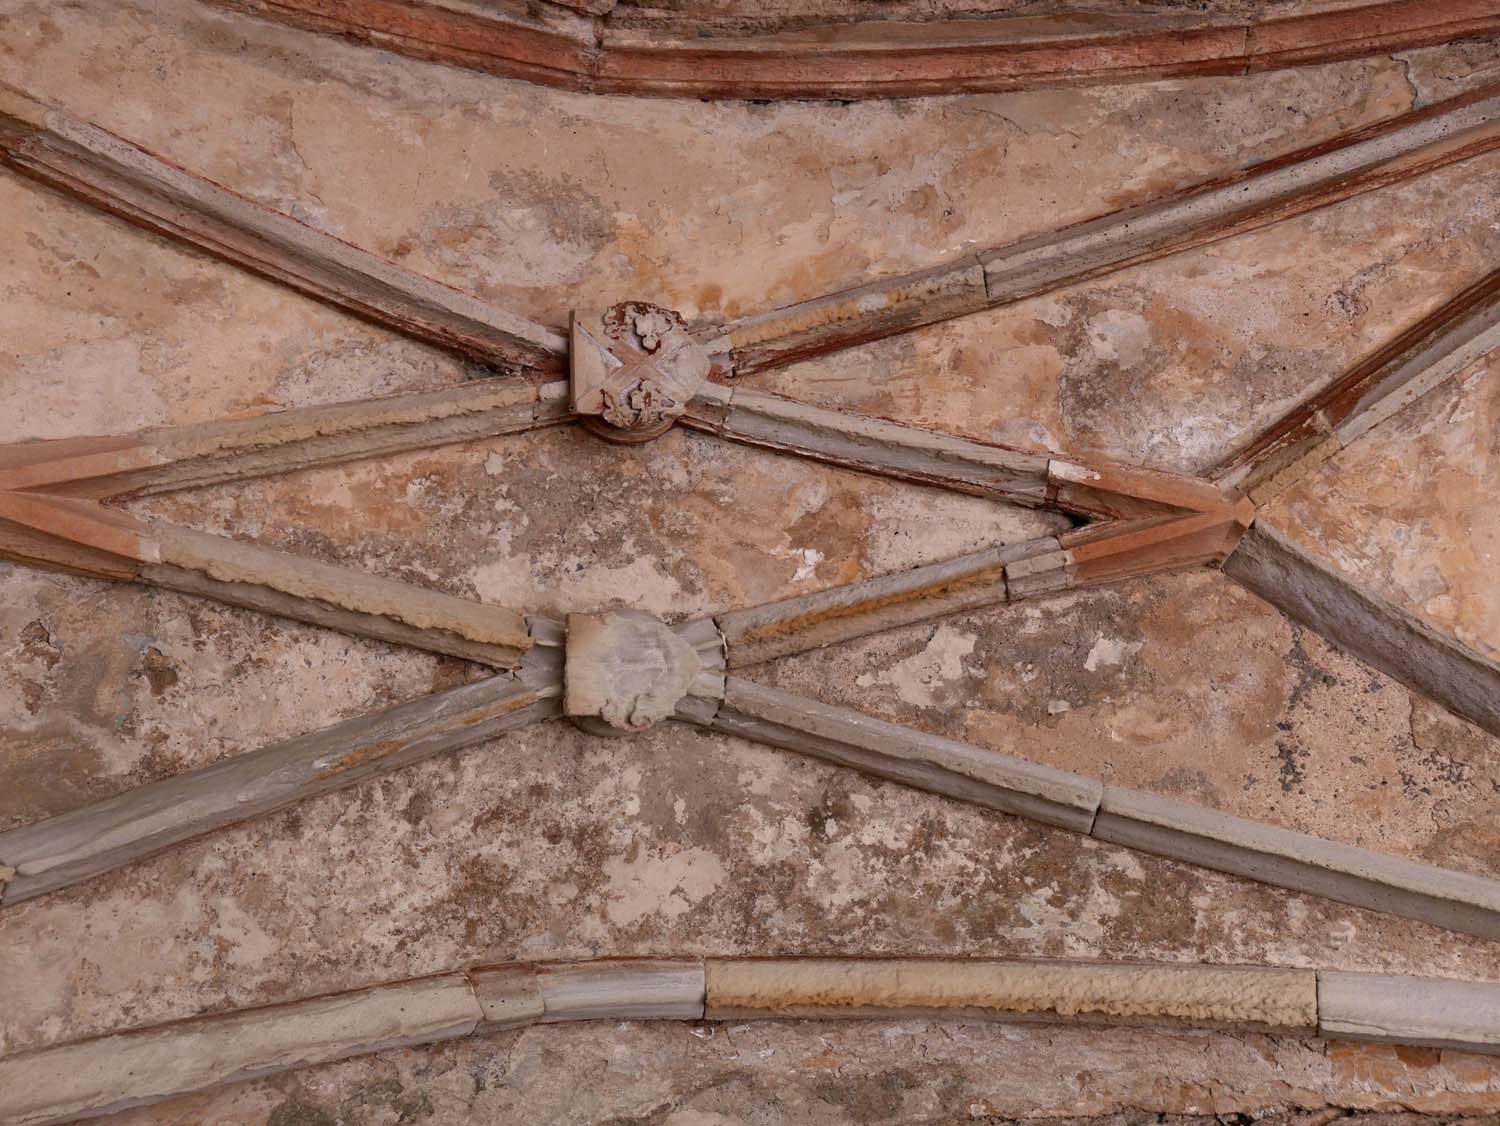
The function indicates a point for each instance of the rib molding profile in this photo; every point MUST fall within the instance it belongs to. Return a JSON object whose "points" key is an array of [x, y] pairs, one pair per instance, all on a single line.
{"points": [[112, 1073], [1384, 153], [1363, 624], [1178, 830], [87, 537], [1094, 489], [242, 449], [842, 613], [88, 1078], [1420, 359], [603, 50], [77, 158]]}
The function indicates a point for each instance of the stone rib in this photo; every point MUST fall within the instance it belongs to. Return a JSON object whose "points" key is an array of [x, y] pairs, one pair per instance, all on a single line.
{"points": [[261, 578], [49, 515], [842, 613], [77, 158], [1420, 359], [1299, 861], [1409, 1010], [913, 758], [108, 1073], [1094, 489], [1366, 626], [213, 453], [1388, 152], [865, 58], [1114, 550], [94, 1077], [602, 989], [1242, 997], [871, 445], [303, 583], [1318, 37], [1100, 553], [73, 847], [1188, 833]]}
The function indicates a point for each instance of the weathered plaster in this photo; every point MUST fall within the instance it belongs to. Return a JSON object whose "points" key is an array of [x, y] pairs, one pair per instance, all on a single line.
{"points": [[842, 1074], [1215, 699], [1410, 509], [555, 844]]}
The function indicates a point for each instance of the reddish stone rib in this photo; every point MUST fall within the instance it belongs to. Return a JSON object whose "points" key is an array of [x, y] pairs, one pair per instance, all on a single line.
{"points": [[1373, 29], [46, 144], [564, 47], [1428, 352], [1386, 152]]}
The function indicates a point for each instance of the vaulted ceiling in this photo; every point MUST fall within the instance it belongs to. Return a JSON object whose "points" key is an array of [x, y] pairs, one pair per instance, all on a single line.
{"points": [[1304, 343]]}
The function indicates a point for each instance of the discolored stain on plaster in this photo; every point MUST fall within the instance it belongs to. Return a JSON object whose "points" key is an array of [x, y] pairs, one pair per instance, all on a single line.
{"points": [[551, 843], [668, 885], [937, 671], [1408, 510]]}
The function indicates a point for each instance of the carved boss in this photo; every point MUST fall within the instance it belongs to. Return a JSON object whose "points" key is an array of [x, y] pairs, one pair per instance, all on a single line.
{"points": [[625, 671], [635, 368]]}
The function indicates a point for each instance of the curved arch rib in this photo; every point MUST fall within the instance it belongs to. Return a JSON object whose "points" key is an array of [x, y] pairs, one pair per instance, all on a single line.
{"points": [[140, 1066], [1387, 152], [82, 160], [613, 53]]}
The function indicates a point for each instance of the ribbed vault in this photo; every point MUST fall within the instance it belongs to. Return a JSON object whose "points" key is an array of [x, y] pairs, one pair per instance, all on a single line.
{"points": [[1043, 470]]}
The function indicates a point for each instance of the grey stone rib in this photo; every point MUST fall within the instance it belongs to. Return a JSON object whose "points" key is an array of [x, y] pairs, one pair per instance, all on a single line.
{"points": [[842, 613], [623, 989], [386, 627], [1363, 160], [1367, 626], [707, 693], [1299, 861], [87, 1078], [1426, 367], [1433, 1012], [77, 846], [285, 441], [524, 993], [1189, 833], [1153, 229], [879, 446], [927, 762], [95, 1077]]}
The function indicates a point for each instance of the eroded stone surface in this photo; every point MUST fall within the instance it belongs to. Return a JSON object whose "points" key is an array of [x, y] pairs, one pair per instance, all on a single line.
{"points": [[550, 844], [856, 1072], [634, 367], [96, 1076], [626, 669], [1409, 510]]}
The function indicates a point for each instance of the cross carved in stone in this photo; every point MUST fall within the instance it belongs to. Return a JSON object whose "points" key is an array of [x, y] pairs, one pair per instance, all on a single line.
{"points": [[633, 370]]}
